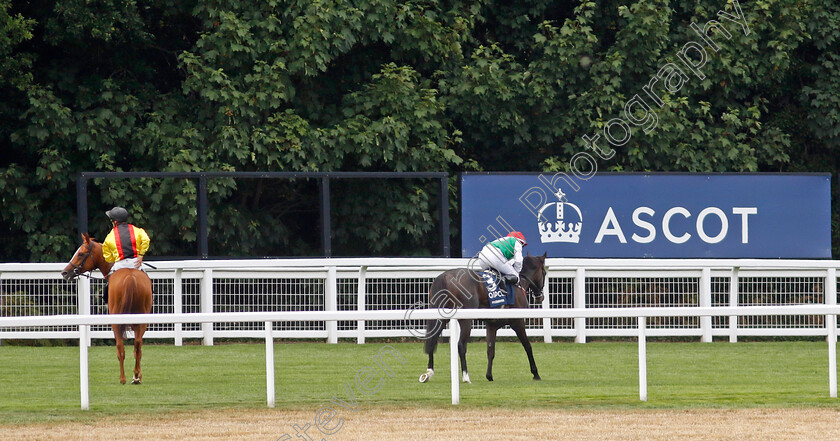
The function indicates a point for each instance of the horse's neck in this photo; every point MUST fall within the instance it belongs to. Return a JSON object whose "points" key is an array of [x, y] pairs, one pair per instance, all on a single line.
{"points": [[99, 260]]}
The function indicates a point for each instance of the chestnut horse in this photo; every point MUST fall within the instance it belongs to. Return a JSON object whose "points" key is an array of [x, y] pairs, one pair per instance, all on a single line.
{"points": [[129, 292], [463, 288]]}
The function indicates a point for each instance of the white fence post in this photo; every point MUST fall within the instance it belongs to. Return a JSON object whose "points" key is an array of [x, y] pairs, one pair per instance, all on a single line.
{"points": [[734, 290], [580, 302], [83, 302], [269, 364], [831, 328], [454, 335], [330, 304], [546, 304], [642, 360], [178, 305], [706, 301], [206, 305], [83, 305], [84, 384], [360, 304]]}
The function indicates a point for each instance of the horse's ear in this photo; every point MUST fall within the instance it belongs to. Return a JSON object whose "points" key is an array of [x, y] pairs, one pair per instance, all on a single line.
{"points": [[545, 254], [527, 254], [86, 237]]}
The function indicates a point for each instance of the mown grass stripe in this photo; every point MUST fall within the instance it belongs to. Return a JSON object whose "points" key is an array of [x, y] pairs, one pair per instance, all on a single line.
{"points": [[42, 383]]}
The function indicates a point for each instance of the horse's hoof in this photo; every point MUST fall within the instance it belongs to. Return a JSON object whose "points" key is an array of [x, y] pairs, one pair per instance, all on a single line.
{"points": [[489, 377], [466, 378], [426, 376], [122, 380], [136, 381], [537, 377]]}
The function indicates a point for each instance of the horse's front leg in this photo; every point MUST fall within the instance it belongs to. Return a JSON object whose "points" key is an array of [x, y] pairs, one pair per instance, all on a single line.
{"points": [[519, 327], [466, 327], [139, 330], [492, 328], [120, 351]]}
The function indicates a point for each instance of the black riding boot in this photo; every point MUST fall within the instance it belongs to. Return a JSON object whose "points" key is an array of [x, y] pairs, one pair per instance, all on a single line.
{"points": [[510, 280]]}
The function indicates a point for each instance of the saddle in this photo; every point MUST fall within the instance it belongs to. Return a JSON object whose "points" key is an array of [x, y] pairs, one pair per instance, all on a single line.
{"points": [[499, 293]]}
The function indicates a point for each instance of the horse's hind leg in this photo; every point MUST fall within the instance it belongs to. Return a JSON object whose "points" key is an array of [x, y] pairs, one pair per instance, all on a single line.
{"points": [[139, 330], [433, 330], [120, 351], [492, 328], [466, 327], [519, 327]]}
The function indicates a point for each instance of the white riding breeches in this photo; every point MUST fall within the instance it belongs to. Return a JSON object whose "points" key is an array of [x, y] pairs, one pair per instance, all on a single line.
{"points": [[125, 263], [492, 257]]}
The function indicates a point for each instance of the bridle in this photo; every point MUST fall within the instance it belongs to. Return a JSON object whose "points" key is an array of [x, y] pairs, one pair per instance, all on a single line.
{"points": [[533, 290], [78, 270]]}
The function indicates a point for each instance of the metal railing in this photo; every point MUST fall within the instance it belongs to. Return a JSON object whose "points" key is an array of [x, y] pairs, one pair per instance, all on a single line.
{"points": [[323, 178], [382, 284]]}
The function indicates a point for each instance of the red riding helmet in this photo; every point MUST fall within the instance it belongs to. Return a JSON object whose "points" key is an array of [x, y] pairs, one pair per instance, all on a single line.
{"points": [[518, 236]]}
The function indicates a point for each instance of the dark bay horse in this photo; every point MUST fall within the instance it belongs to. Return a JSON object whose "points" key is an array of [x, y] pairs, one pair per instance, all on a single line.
{"points": [[129, 292], [464, 288]]}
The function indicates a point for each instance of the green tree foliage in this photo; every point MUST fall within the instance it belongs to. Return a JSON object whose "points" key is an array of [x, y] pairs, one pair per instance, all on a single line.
{"points": [[379, 85]]}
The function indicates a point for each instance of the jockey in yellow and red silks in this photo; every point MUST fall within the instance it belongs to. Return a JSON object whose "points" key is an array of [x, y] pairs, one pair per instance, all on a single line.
{"points": [[125, 244]]}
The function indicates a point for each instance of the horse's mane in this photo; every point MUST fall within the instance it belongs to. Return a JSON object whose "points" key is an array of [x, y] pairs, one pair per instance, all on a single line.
{"points": [[530, 261]]}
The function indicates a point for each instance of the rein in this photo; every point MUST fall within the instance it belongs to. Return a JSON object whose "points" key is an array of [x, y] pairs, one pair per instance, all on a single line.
{"points": [[532, 289]]}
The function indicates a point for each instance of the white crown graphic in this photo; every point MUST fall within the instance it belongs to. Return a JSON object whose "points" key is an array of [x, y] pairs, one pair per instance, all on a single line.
{"points": [[562, 224]]}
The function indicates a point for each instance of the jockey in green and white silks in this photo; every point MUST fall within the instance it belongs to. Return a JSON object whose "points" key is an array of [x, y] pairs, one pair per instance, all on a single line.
{"points": [[504, 255]]}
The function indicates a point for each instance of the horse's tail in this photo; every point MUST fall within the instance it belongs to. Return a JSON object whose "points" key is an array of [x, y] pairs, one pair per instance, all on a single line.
{"points": [[434, 327], [126, 301]]}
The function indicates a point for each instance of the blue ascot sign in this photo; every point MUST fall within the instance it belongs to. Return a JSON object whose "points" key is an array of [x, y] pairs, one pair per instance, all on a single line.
{"points": [[668, 215]]}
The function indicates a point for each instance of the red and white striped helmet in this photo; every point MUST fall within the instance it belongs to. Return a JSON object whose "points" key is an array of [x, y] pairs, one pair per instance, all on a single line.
{"points": [[518, 236]]}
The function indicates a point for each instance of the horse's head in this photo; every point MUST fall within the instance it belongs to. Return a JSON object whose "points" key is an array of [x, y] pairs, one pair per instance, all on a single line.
{"points": [[83, 261], [532, 276]]}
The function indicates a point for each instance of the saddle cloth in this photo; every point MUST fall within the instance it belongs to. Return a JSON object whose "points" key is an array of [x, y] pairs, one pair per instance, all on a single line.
{"points": [[497, 295]]}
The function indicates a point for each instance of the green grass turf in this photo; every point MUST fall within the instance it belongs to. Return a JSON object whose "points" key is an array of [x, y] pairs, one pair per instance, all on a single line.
{"points": [[42, 383]]}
